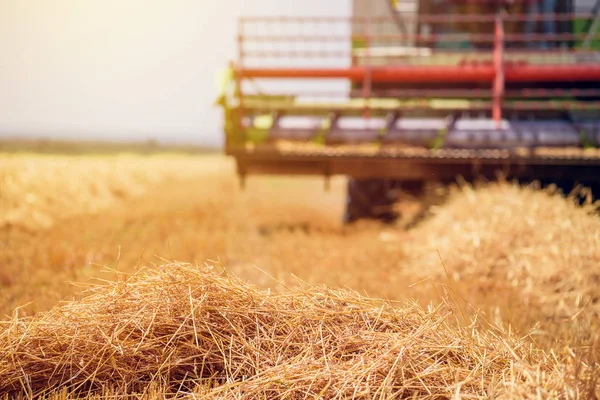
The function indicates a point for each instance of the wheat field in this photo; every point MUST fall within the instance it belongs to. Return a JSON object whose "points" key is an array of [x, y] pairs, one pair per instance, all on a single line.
{"points": [[109, 261]]}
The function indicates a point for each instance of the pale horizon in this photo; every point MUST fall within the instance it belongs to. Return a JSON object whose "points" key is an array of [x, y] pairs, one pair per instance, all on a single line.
{"points": [[122, 70]]}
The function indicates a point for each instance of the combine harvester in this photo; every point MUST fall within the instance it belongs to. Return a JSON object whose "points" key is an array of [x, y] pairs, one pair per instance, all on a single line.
{"points": [[408, 92]]}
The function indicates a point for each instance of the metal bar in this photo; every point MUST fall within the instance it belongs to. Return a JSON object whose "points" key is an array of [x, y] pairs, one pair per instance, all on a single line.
{"points": [[423, 52], [382, 52], [357, 19], [568, 155], [472, 37], [551, 105], [498, 89], [380, 74], [551, 52], [387, 37], [518, 37], [410, 16], [477, 93], [554, 93], [312, 108], [548, 73], [239, 77], [367, 78], [543, 17], [480, 73], [439, 93], [387, 53], [297, 53], [434, 165], [357, 106]]}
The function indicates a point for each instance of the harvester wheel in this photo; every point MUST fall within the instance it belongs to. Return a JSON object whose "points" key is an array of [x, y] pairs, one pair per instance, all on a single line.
{"points": [[415, 189], [369, 199]]}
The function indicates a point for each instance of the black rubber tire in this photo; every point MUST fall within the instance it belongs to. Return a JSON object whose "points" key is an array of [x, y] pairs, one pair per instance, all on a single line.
{"points": [[369, 199], [412, 188]]}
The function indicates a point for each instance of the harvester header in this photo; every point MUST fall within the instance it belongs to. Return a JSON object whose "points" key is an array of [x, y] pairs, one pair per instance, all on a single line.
{"points": [[414, 91]]}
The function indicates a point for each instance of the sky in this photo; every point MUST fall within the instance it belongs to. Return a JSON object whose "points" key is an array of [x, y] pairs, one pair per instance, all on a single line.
{"points": [[123, 69]]}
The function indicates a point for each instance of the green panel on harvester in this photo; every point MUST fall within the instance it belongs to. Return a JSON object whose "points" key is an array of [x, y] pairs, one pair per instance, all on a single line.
{"points": [[578, 28]]}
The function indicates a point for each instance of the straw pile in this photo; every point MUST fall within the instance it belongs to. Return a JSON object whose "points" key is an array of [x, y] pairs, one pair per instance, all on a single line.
{"points": [[503, 236], [191, 329]]}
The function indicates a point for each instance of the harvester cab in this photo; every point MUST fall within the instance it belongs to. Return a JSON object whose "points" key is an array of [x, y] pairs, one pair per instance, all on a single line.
{"points": [[406, 92]]}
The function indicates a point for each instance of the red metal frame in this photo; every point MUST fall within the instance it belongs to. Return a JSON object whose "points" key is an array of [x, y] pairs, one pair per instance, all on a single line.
{"points": [[498, 90], [378, 74], [496, 72], [368, 78], [483, 73]]}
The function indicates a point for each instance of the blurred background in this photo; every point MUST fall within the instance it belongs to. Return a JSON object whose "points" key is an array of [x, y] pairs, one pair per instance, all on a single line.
{"points": [[122, 71]]}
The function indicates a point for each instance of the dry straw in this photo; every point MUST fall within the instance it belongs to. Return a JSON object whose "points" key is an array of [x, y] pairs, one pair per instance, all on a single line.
{"points": [[505, 237], [37, 190], [198, 330]]}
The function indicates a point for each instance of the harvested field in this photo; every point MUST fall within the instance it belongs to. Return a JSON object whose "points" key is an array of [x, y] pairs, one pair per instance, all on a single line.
{"points": [[521, 263], [39, 189]]}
